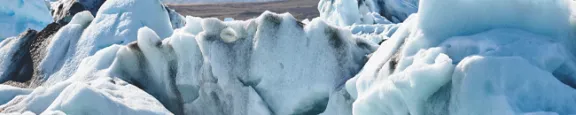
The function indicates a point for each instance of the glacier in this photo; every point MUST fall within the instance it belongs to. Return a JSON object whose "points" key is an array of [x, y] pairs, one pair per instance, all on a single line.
{"points": [[224, 55], [19, 15], [359, 57], [117, 21], [349, 12], [443, 61]]}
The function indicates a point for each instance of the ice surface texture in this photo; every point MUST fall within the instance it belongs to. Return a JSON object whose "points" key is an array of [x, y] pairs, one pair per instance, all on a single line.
{"points": [[16, 16], [349, 12], [215, 71], [101, 96], [488, 57], [116, 22], [206, 67]]}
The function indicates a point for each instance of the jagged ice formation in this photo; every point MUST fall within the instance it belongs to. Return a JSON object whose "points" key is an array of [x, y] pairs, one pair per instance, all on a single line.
{"points": [[360, 57]]}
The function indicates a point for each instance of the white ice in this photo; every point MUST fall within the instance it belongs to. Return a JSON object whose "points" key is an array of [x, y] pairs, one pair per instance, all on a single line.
{"points": [[345, 12], [489, 50], [117, 22], [63, 44], [349, 12], [100, 96], [487, 57], [213, 72], [394, 10]]}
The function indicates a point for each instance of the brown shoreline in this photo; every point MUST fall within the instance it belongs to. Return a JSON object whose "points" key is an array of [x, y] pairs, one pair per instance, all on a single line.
{"points": [[300, 9]]}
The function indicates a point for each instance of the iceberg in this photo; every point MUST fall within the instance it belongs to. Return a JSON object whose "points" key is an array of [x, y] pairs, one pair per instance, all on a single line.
{"points": [[394, 10], [78, 5], [508, 85], [360, 57], [350, 12], [115, 23], [205, 67], [16, 16], [212, 72], [444, 61], [101, 96]]}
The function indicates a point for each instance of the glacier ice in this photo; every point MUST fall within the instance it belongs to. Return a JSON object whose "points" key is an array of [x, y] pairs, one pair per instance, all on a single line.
{"points": [[150, 67], [488, 52], [394, 10], [346, 56], [376, 33], [349, 12], [63, 11], [140, 57], [16, 16], [204, 67], [63, 44], [37, 101], [193, 25], [16, 64], [340, 12], [91, 5], [214, 74], [62, 48], [116, 22], [113, 97], [551, 18], [176, 20], [100, 96], [507, 85], [9, 92]]}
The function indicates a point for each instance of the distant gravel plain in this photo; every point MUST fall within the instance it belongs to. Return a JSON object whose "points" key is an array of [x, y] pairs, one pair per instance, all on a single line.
{"points": [[300, 9]]}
